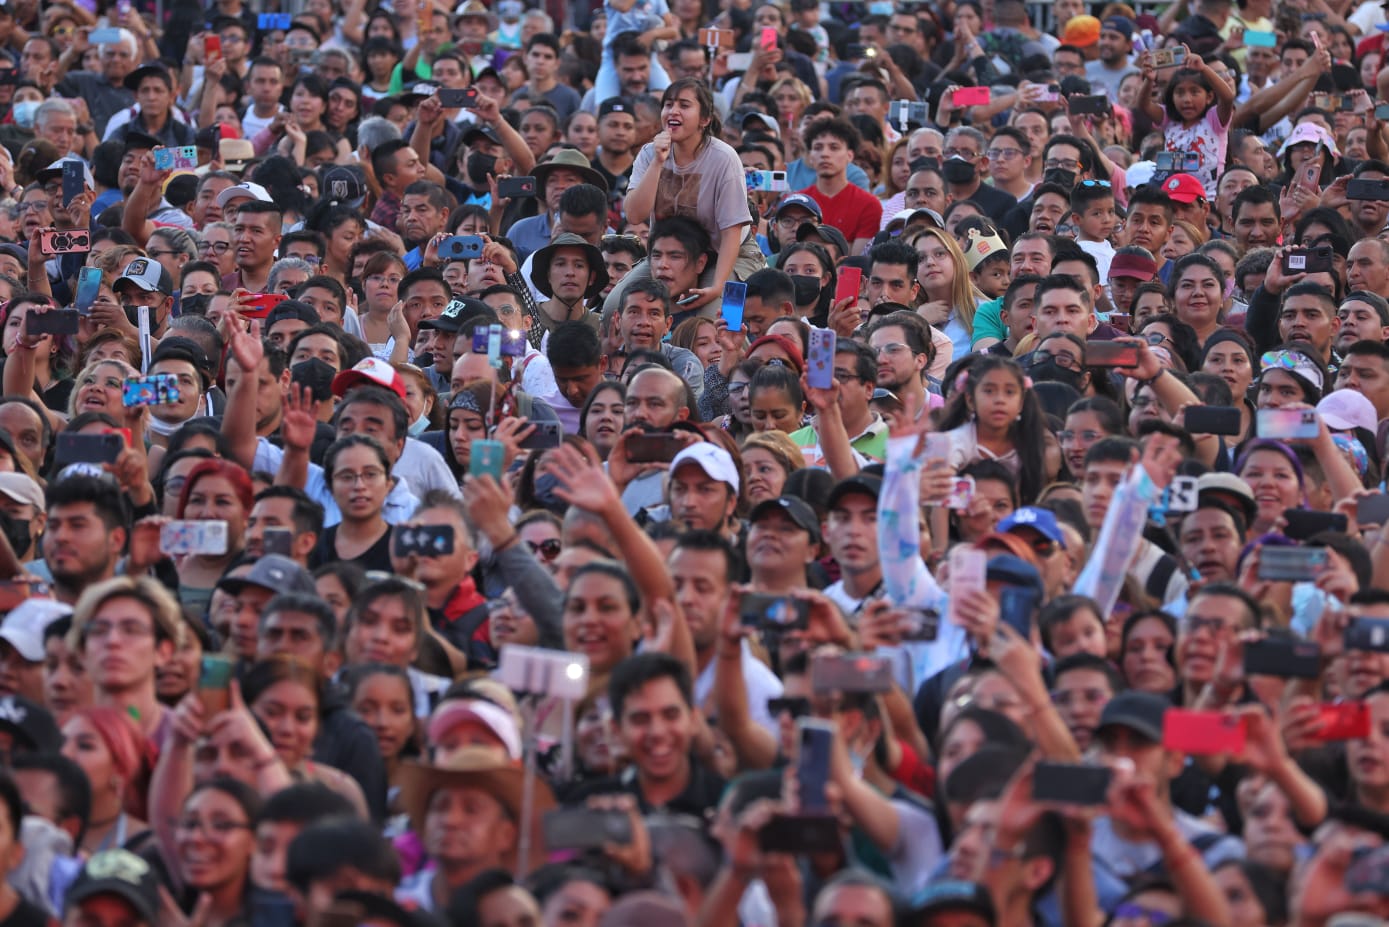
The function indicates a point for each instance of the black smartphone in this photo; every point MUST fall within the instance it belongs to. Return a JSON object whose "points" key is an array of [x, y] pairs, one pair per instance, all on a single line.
{"points": [[1307, 523], [1373, 509], [454, 98], [79, 448], [74, 180], [516, 187], [585, 828], [1092, 105], [1308, 260], [1016, 607], [1366, 189], [52, 322], [1284, 657], [789, 833], [653, 447], [813, 765], [545, 436], [422, 541], [277, 541], [863, 673], [1212, 420], [773, 612], [1368, 634], [1071, 783]]}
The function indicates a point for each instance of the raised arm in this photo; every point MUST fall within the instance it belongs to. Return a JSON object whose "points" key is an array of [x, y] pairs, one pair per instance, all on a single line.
{"points": [[239, 417], [135, 217], [753, 746]]}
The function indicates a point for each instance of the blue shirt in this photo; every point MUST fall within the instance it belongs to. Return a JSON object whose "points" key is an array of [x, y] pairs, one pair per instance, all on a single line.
{"points": [[800, 175], [530, 235]]}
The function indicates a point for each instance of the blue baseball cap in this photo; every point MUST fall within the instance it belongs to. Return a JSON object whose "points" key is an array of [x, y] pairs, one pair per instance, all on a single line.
{"points": [[1039, 519], [803, 200]]}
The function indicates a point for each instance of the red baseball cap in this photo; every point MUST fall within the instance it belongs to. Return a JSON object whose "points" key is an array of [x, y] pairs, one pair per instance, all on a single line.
{"points": [[1184, 188], [374, 371], [1133, 265]]}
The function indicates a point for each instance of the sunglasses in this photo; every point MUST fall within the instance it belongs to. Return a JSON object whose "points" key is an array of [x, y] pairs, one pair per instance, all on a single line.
{"points": [[796, 707], [548, 549]]}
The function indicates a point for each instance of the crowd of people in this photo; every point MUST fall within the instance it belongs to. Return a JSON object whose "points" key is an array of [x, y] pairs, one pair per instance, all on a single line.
{"points": [[660, 462]]}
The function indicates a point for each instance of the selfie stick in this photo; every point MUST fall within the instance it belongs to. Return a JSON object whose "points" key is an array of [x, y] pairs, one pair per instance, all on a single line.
{"points": [[527, 795]]}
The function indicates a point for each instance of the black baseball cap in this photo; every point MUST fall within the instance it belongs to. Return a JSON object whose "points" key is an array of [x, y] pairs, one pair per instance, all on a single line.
{"points": [[800, 513]]}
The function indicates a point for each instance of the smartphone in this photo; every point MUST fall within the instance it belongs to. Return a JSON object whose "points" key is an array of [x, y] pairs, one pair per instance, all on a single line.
{"points": [[791, 833], [1284, 657], [486, 457], [269, 22], [1169, 57], [857, 51], [1071, 783], [73, 241], [1212, 420], [1111, 354], [969, 568], [52, 322], [1088, 105], [813, 765], [1368, 634], [585, 828], [81, 448], [653, 447], [422, 540], [545, 436], [1177, 161], [735, 298], [863, 673], [961, 494], [766, 181], [259, 305], [1342, 721], [157, 389], [457, 247], [214, 676], [516, 187], [1373, 510], [74, 180], [1305, 523], [1366, 189], [88, 288], [1291, 564], [902, 112], [920, 624], [1382, 112], [849, 284], [1287, 424], [1316, 260], [1016, 606], [277, 541], [1255, 38], [773, 612], [173, 159], [212, 48], [1202, 733], [768, 39], [936, 447], [716, 38], [104, 36], [193, 537], [510, 342], [971, 96], [1334, 102], [819, 359], [455, 98]]}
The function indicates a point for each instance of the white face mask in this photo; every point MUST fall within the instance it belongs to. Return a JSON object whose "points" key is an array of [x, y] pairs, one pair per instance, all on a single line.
{"points": [[418, 426], [24, 112]]}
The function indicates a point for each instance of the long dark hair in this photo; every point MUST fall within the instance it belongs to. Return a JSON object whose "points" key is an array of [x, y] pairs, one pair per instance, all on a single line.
{"points": [[1028, 433], [704, 97]]}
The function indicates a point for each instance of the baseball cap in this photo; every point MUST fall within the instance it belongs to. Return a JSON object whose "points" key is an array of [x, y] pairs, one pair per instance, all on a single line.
{"points": [[342, 185], [908, 215], [1120, 24], [802, 200], [1133, 265], [1229, 489], [1183, 188], [23, 627], [121, 873], [55, 170], [135, 140], [953, 895], [30, 723], [184, 349], [20, 487], [1038, 519], [1140, 712], [493, 717], [1343, 410], [826, 232], [275, 572], [372, 370], [614, 105], [861, 483], [149, 275], [712, 459], [18, 252], [455, 315], [244, 190], [292, 309], [1081, 31], [761, 121], [486, 133], [800, 513], [1014, 571]]}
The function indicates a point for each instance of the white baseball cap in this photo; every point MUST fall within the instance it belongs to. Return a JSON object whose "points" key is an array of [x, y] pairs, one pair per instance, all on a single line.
{"points": [[244, 190], [712, 459], [24, 626]]}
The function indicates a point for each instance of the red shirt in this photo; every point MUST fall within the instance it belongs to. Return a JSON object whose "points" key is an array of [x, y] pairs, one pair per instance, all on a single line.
{"points": [[853, 210]]}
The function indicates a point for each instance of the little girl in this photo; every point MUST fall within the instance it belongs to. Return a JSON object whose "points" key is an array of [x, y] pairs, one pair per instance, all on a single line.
{"points": [[1195, 115]]}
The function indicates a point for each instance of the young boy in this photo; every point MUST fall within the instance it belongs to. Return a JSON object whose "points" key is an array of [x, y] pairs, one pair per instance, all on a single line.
{"points": [[1093, 214], [989, 266]]}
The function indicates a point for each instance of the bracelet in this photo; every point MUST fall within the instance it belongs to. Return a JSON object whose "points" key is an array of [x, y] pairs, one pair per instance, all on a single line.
{"points": [[1153, 379]]}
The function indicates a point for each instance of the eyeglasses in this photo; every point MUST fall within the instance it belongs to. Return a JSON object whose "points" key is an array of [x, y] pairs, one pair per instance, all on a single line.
{"points": [[892, 347], [796, 707], [368, 476], [101, 629], [1067, 165], [790, 223], [1195, 623], [32, 206], [383, 280], [1069, 437], [158, 254], [844, 376], [1154, 338], [217, 827], [1065, 361], [737, 388], [1067, 696], [965, 153], [217, 247], [1004, 154], [549, 548]]}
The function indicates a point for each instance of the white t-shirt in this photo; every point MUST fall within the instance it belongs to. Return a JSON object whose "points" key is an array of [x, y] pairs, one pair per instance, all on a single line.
{"points": [[761, 684]]}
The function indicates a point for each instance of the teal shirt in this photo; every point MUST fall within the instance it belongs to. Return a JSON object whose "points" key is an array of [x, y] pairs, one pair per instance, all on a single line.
{"points": [[988, 321]]}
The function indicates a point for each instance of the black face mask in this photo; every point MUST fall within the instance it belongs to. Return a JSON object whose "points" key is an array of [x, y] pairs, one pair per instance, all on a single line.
{"points": [[1061, 177], [194, 304], [807, 289], [959, 171], [16, 531], [317, 375], [479, 166], [1049, 371]]}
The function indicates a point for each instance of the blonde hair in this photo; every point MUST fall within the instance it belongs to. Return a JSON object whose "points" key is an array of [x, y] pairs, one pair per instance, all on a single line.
{"points": [[126, 370], [1198, 236], [163, 608], [777, 443], [965, 297]]}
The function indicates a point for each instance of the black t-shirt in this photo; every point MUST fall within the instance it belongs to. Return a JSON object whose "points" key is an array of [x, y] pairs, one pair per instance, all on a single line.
{"points": [[376, 557], [27, 914]]}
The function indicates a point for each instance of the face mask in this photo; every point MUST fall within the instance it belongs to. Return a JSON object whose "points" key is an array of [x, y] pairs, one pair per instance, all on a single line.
{"points": [[1061, 177], [958, 170], [317, 375], [1049, 371], [23, 113], [16, 531], [418, 426], [479, 166], [807, 289], [545, 485], [194, 304]]}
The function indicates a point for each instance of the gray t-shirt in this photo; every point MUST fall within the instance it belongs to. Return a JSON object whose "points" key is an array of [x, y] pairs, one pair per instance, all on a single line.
{"points": [[1106, 81], [710, 189]]}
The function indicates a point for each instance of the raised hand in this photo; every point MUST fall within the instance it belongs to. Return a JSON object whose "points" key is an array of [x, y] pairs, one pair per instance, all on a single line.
{"points": [[299, 420], [582, 481]]}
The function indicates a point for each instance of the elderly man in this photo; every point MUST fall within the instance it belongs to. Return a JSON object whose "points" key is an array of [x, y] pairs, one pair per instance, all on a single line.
{"points": [[105, 91]]}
